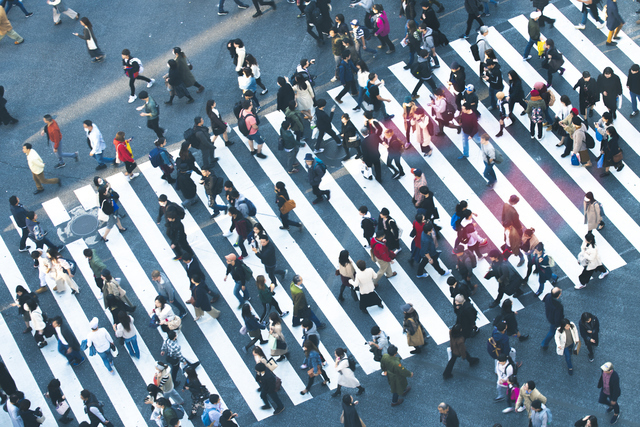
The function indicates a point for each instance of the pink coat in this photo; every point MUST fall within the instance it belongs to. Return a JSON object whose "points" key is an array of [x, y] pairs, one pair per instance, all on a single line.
{"points": [[382, 24]]}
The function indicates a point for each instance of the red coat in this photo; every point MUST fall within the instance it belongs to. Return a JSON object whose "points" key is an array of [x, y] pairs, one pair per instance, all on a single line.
{"points": [[417, 228], [54, 134], [381, 252], [123, 152]]}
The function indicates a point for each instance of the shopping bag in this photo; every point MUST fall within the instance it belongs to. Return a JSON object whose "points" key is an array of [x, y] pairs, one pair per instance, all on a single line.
{"points": [[540, 48], [366, 171], [574, 160], [601, 162]]}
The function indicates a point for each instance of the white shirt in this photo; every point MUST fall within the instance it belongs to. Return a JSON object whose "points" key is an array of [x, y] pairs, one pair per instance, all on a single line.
{"points": [[60, 337], [100, 339], [96, 140]]}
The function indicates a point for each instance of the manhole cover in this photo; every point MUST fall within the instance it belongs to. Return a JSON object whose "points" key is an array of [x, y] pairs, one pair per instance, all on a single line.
{"points": [[83, 225]]}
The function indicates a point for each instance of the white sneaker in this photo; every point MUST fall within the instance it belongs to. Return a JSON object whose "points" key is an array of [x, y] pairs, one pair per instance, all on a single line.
{"points": [[520, 409], [318, 150], [446, 273], [422, 276], [133, 175], [333, 79], [527, 58], [603, 275], [151, 82], [132, 98], [227, 234], [579, 27], [580, 286], [600, 25], [507, 410]]}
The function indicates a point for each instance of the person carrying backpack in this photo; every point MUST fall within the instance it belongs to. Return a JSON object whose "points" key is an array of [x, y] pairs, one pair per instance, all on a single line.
{"points": [[93, 408], [346, 366], [421, 70], [248, 125], [346, 72], [160, 158], [316, 169], [213, 185], [132, 69], [536, 108]]}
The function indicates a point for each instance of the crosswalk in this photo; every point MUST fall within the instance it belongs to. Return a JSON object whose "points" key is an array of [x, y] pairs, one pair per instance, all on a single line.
{"points": [[549, 188]]}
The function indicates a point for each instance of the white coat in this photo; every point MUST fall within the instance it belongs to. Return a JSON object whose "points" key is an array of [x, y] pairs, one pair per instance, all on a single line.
{"points": [[347, 377], [364, 280], [37, 322], [503, 372], [561, 339], [591, 255]]}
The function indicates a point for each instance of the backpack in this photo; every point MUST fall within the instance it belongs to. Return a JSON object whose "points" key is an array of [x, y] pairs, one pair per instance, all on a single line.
{"points": [[472, 257], [191, 137], [251, 208], [492, 348], [139, 64], [179, 410], [536, 115], [72, 266], [475, 51], [549, 417], [366, 32], [179, 210], [589, 140], [440, 39], [242, 123], [248, 273], [322, 165], [499, 159], [155, 157], [238, 108], [352, 362]]}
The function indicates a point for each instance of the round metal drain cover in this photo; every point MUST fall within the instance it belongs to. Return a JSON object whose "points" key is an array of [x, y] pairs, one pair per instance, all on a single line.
{"points": [[84, 225]]}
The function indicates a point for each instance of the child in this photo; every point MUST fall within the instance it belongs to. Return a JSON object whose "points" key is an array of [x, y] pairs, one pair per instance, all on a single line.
{"points": [[368, 225], [213, 187]]}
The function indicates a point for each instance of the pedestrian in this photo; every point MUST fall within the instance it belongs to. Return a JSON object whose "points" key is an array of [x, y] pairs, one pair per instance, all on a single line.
{"points": [[373, 99], [218, 126], [313, 15], [60, 8], [102, 342], [12, 405], [397, 375], [589, 330], [592, 212], [316, 170], [458, 349], [133, 69], [371, 154], [301, 309], [314, 363], [460, 288], [199, 138], [253, 326], [249, 118], [568, 342], [285, 93], [540, 414], [52, 131], [614, 22], [172, 351], [448, 416], [382, 29], [290, 145], [589, 93], [7, 30], [429, 254], [28, 416], [176, 83], [96, 141], [382, 255], [509, 316], [588, 420], [516, 94], [61, 272], [528, 394], [590, 6], [36, 166], [200, 298], [347, 274], [543, 265], [213, 186], [493, 76], [612, 153], [589, 258], [8, 4], [108, 202], [412, 39], [394, 153], [347, 378], [391, 231], [267, 254], [68, 345], [184, 69], [112, 286], [161, 157], [346, 71], [241, 225], [468, 120], [443, 111], [457, 82], [365, 282], [350, 138], [42, 328], [59, 401], [609, 383], [554, 311], [552, 60], [151, 112], [416, 332], [368, 225], [164, 288], [162, 377], [124, 154], [324, 126], [268, 389], [474, 11], [466, 313], [423, 126], [19, 214], [37, 234], [489, 158], [421, 70], [89, 37], [610, 87], [536, 108]]}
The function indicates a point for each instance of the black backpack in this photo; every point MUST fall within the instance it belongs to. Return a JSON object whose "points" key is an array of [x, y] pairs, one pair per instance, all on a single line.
{"points": [[475, 51], [352, 361], [589, 140], [366, 32], [191, 137]]}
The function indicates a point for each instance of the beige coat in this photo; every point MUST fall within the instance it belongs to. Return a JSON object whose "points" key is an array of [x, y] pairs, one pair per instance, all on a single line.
{"points": [[347, 270], [561, 339], [365, 281], [526, 399], [275, 330], [5, 25], [592, 216]]}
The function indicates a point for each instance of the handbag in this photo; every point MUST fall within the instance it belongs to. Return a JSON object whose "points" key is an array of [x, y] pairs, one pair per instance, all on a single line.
{"points": [[191, 301], [540, 46], [174, 323], [62, 407], [617, 158], [243, 330], [366, 171], [311, 374], [272, 364], [278, 383], [281, 345], [582, 259], [272, 342], [576, 350], [114, 351], [574, 160], [288, 206]]}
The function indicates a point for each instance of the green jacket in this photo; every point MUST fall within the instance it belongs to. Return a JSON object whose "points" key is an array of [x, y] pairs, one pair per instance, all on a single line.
{"points": [[295, 117], [96, 264], [299, 300], [151, 107], [396, 373], [534, 29], [289, 139]]}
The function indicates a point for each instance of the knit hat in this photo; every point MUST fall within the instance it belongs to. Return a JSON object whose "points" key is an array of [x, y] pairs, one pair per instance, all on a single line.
{"points": [[607, 366], [535, 14], [308, 156], [355, 22], [416, 172], [231, 257], [469, 88], [455, 65], [93, 324], [575, 111], [406, 307], [407, 99], [535, 93], [105, 272]]}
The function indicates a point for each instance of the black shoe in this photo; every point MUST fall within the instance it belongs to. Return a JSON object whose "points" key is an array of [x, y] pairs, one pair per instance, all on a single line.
{"points": [[265, 407], [494, 304], [473, 361], [336, 393], [523, 337], [446, 376], [224, 12], [322, 326], [255, 15], [38, 191]]}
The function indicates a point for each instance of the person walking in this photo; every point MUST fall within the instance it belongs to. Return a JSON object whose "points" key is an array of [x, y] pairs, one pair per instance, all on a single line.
{"points": [[609, 383], [8, 4], [19, 214], [163, 378], [266, 295], [107, 200], [567, 341], [429, 254], [589, 258], [126, 330], [68, 345], [176, 85], [59, 401], [285, 206], [316, 170], [508, 316], [200, 298], [614, 22], [528, 394], [347, 274], [112, 286], [536, 108], [416, 332], [124, 154], [164, 288], [394, 153], [468, 120], [199, 138], [324, 126], [474, 11], [133, 69], [347, 378], [552, 61], [458, 349], [554, 311], [36, 166], [589, 93], [161, 157], [52, 131], [60, 8], [218, 126], [587, 420], [37, 234], [347, 74], [249, 118], [397, 375], [184, 69], [6, 29], [610, 87], [540, 414], [382, 255], [267, 254], [592, 212], [365, 282], [493, 76], [612, 152], [89, 37], [151, 112], [100, 339], [448, 416], [542, 262], [96, 141], [589, 330], [489, 158], [314, 363], [267, 382], [301, 308], [382, 28], [61, 272], [239, 274]]}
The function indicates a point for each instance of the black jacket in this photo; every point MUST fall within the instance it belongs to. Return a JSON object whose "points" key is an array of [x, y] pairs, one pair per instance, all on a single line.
{"points": [[614, 386], [594, 327], [516, 92], [163, 209], [315, 173], [267, 254], [633, 81], [553, 309], [285, 95], [430, 19], [69, 337], [200, 294], [613, 87], [194, 269], [202, 133], [237, 272], [589, 93], [495, 77], [175, 232], [466, 318], [458, 79], [323, 120], [370, 150], [267, 382], [409, 11], [19, 214], [472, 7]]}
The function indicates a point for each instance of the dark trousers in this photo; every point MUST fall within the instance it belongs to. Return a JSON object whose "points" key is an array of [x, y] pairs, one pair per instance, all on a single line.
{"points": [[312, 34], [421, 82], [385, 40], [179, 306], [452, 361], [398, 167], [273, 396], [311, 380], [181, 247], [74, 356], [257, 4], [585, 276], [330, 132], [95, 421], [442, 124], [296, 321], [243, 250], [266, 309], [319, 193], [532, 129], [153, 124], [166, 173], [132, 82], [286, 222], [606, 400], [99, 282], [436, 264], [271, 271], [512, 103], [208, 151], [470, 19], [377, 169], [590, 346], [23, 239], [348, 86], [346, 149], [44, 241]]}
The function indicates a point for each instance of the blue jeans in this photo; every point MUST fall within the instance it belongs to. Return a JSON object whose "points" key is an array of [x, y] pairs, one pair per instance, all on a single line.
{"points": [[60, 154], [107, 359], [361, 96], [486, 5], [489, 173], [74, 356], [547, 339], [412, 56], [567, 355], [634, 101], [465, 142], [594, 12], [132, 346], [256, 137], [101, 159], [221, 5], [241, 295], [10, 3], [527, 49]]}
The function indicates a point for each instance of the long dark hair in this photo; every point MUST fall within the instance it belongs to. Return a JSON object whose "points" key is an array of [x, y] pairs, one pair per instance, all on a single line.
{"points": [[184, 151], [515, 77], [282, 190], [87, 23], [209, 107], [309, 347], [301, 82], [173, 65], [250, 59], [162, 300], [125, 321], [343, 258], [246, 311]]}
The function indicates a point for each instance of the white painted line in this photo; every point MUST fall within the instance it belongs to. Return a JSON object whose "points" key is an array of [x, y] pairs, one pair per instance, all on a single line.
{"points": [[56, 211]]}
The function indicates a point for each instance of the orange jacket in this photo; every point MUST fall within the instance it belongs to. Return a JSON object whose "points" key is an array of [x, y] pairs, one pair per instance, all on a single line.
{"points": [[54, 134]]}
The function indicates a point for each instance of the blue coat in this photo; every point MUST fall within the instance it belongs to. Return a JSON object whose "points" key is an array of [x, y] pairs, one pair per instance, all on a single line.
{"points": [[346, 70], [614, 19]]}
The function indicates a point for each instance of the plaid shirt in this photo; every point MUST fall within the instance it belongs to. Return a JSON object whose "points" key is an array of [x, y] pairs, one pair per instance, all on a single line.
{"points": [[172, 349]]}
